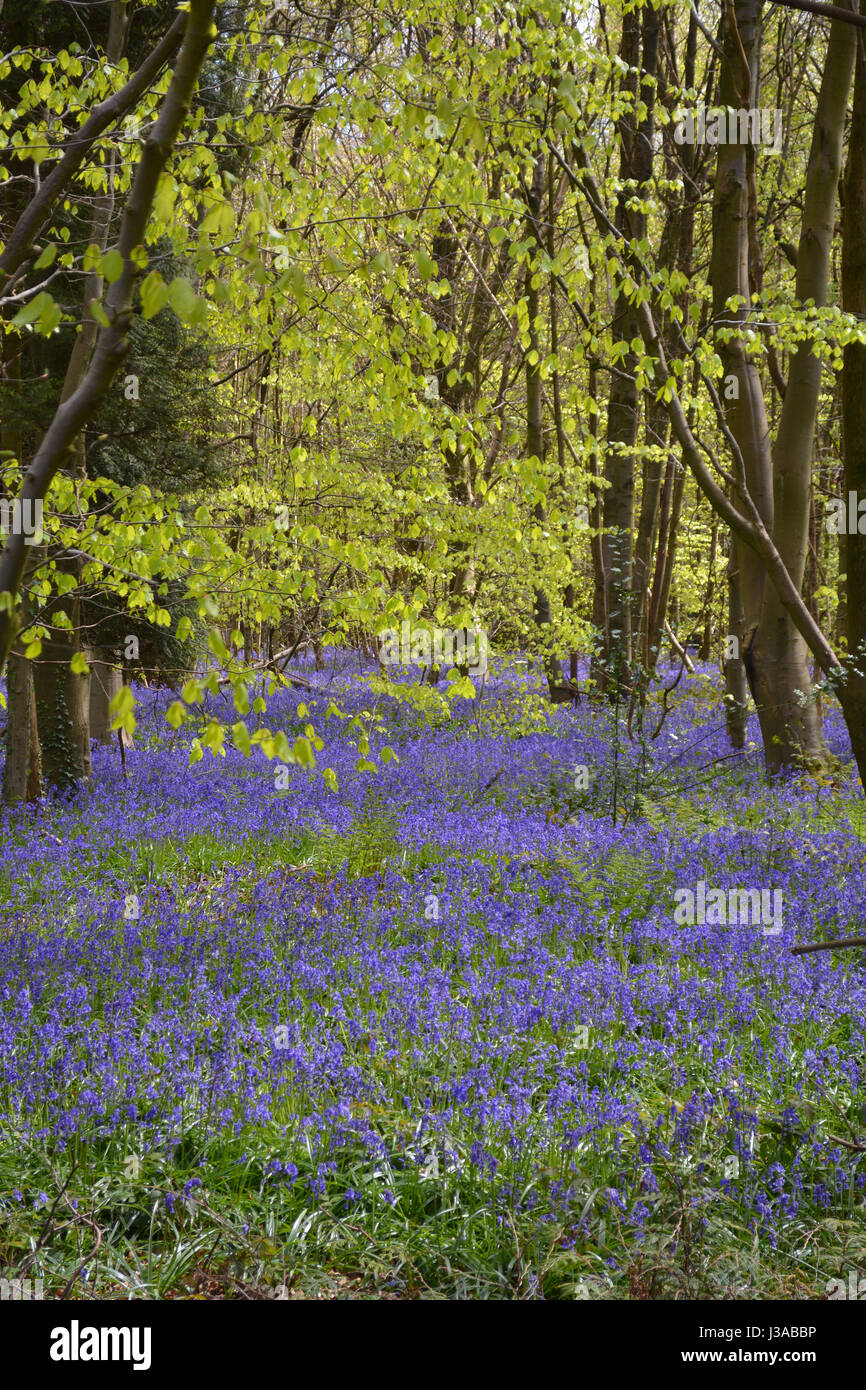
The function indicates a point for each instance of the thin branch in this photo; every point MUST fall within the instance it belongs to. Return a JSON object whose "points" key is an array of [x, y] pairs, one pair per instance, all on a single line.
{"points": [[825, 11], [78, 146]]}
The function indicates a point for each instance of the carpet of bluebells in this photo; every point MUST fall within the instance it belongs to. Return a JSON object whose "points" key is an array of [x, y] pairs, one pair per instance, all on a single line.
{"points": [[435, 1029]]}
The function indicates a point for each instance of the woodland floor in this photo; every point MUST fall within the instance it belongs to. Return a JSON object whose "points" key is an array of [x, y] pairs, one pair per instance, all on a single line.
{"points": [[435, 1032]]}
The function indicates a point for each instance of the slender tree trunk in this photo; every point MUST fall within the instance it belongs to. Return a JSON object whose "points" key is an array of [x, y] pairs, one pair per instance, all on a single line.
{"points": [[639, 50], [622, 405], [707, 634], [568, 596], [656, 434], [736, 686], [745, 406], [534, 422], [599, 583], [106, 679], [664, 577]]}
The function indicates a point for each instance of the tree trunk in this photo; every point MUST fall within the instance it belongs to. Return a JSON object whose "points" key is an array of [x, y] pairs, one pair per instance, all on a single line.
{"points": [[534, 425], [729, 271], [22, 771], [656, 434], [622, 405], [790, 721], [62, 709], [707, 634], [736, 687], [599, 586], [854, 399], [72, 704], [665, 559], [106, 679], [776, 654]]}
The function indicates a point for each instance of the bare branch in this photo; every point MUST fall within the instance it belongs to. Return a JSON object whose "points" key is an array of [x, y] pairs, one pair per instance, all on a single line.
{"points": [[112, 344]]}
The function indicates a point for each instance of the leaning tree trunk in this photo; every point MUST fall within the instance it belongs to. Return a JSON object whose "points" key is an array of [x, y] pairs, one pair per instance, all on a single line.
{"points": [[745, 408]]}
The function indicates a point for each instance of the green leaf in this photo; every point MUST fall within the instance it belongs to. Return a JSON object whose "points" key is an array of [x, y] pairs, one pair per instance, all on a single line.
{"points": [[182, 298], [30, 312], [218, 647], [303, 752], [176, 714], [191, 692], [164, 198], [427, 267], [214, 738], [112, 265], [120, 708], [154, 294], [220, 220]]}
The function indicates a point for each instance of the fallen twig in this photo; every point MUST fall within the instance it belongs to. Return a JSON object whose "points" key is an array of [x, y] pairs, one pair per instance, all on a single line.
{"points": [[839, 944], [848, 1144]]}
